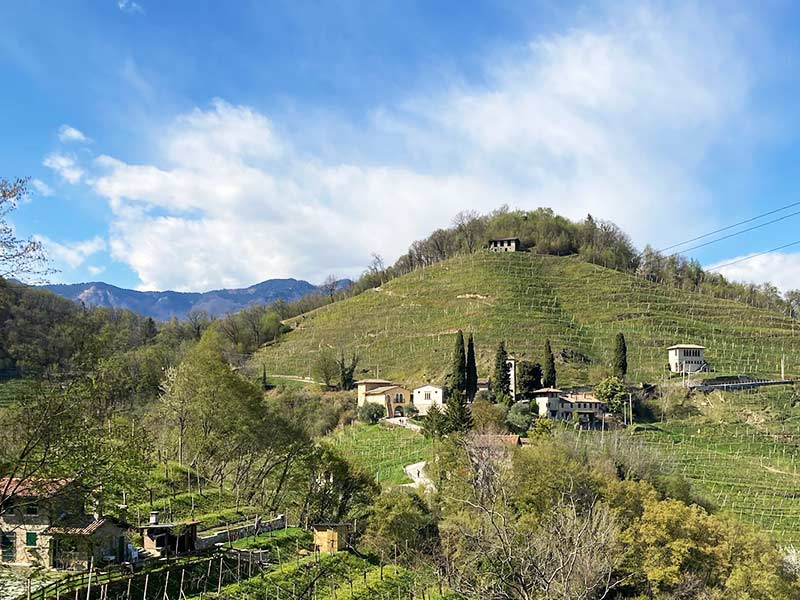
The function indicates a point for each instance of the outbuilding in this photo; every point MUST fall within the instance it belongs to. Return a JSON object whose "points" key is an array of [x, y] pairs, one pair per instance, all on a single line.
{"points": [[687, 358], [505, 245]]}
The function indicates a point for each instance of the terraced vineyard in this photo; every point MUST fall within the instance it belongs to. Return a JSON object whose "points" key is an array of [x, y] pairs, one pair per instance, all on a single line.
{"points": [[404, 330], [383, 451]]}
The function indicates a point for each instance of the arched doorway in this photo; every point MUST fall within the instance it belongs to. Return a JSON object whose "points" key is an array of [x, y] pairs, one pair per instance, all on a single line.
{"points": [[398, 411]]}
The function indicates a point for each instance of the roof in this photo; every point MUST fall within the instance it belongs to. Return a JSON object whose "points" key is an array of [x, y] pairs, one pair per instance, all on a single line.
{"points": [[508, 239], [487, 440], [85, 525], [695, 346], [32, 488], [383, 390], [549, 390], [167, 525], [429, 385], [372, 381]]}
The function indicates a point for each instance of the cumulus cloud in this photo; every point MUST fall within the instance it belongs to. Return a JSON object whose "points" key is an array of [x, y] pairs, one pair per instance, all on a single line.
{"points": [[67, 133], [779, 268], [593, 120], [65, 166], [129, 6], [95, 270], [72, 254], [41, 188]]}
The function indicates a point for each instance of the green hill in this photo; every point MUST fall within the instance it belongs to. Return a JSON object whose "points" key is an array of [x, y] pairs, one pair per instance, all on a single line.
{"points": [[404, 329]]}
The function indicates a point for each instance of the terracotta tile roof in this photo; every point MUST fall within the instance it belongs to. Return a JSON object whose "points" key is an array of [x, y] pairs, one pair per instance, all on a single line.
{"points": [[487, 440], [32, 488], [78, 526], [382, 390]]}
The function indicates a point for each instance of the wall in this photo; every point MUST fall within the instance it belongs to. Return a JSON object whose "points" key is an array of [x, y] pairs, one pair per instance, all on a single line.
{"points": [[237, 533]]}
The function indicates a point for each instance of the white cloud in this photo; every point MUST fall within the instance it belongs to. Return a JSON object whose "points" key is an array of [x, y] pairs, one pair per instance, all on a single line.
{"points": [[41, 188], [72, 254], [129, 6], [65, 165], [614, 120], [779, 268], [95, 270], [67, 133]]}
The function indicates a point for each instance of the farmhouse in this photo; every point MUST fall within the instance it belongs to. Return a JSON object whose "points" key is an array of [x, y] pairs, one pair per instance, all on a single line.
{"points": [[687, 358], [366, 385], [505, 245], [395, 398], [581, 407], [44, 524], [428, 395]]}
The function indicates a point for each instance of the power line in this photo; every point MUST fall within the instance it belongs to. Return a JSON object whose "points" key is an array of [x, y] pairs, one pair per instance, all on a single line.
{"points": [[750, 220], [741, 260], [734, 234]]}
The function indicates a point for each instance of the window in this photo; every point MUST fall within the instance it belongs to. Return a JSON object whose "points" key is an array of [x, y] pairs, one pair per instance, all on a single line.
{"points": [[427, 395], [32, 510], [31, 537], [7, 544]]}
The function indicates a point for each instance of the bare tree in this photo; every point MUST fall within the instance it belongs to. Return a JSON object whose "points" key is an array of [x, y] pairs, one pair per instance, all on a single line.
{"points": [[198, 320], [469, 226], [18, 257], [329, 286]]}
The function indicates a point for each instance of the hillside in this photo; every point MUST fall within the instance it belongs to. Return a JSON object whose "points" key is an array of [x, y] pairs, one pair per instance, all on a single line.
{"points": [[165, 305], [404, 330]]}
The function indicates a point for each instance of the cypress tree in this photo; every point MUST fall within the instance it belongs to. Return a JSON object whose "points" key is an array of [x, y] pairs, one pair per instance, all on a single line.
{"points": [[435, 422], [501, 381], [458, 371], [264, 384], [620, 365], [549, 375], [472, 370]]}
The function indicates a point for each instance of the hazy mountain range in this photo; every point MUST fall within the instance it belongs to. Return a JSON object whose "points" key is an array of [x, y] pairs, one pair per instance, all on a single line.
{"points": [[165, 305]]}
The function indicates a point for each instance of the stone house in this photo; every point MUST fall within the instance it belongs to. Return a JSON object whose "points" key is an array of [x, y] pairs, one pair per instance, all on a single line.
{"points": [[44, 523], [687, 358], [428, 395], [395, 398], [581, 408], [365, 385], [505, 245]]}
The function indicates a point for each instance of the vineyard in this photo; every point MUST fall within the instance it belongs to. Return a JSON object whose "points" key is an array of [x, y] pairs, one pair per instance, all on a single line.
{"points": [[382, 451], [404, 330]]}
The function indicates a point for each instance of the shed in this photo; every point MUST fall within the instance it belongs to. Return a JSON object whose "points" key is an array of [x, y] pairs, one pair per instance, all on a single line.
{"points": [[167, 539], [330, 537]]}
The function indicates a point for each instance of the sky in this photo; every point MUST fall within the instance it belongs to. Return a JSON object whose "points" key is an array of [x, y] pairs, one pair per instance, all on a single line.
{"points": [[199, 145]]}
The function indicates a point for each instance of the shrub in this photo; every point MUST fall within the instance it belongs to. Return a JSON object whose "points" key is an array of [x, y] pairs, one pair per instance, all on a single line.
{"points": [[371, 413]]}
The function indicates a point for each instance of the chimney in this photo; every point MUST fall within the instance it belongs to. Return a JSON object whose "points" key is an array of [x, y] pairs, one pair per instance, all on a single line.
{"points": [[153, 517], [122, 510], [97, 509]]}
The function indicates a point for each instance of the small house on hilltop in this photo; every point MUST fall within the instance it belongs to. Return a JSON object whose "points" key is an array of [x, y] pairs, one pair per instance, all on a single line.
{"points": [[426, 396], [44, 523], [505, 245], [687, 358]]}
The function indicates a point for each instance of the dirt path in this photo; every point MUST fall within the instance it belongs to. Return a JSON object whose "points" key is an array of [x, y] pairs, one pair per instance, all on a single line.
{"points": [[404, 422], [416, 473]]}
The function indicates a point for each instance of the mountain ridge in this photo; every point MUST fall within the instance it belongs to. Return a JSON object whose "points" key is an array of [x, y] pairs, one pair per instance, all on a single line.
{"points": [[164, 305]]}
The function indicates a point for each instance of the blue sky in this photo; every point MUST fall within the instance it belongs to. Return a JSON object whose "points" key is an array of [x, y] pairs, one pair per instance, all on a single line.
{"points": [[200, 145]]}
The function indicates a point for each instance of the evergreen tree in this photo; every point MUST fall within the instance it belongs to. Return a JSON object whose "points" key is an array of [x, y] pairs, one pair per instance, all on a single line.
{"points": [[264, 384], [549, 375], [459, 416], [501, 381], [435, 422], [529, 378], [472, 370], [620, 366], [458, 371]]}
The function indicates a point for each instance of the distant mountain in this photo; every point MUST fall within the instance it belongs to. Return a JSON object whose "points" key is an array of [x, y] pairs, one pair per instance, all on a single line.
{"points": [[165, 305]]}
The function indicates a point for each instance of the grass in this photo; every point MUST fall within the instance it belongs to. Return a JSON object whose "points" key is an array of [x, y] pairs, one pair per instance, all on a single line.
{"points": [[12, 390], [404, 331], [284, 541], [381, 450]]}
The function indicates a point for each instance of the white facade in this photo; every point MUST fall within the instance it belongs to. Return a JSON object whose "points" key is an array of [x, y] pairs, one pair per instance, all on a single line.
{"points": [[555, 404], [426, 396], [505, 245], [511, 363], [687, 358]]}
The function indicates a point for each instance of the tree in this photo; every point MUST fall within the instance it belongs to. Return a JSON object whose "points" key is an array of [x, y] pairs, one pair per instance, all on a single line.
{"points": [[529, 378], [519, 417], [469, 226], [326, 368], [435, 423], [329, 286], [264, 383], [19, 258], [459, 416], [611, 391], [401, 525], [488, 417], [549, 375], [472, 370], [501, 380], [457, 380], [371, 412], [620, 366], [347, 371]]}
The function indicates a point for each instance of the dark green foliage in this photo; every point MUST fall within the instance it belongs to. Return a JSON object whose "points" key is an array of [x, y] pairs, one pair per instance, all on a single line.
{"points": [[457, 379], [371, 412], [347, 371], [435, 422], [459, 416], [264, 384], [472, 370], [501, 377], [549, 374], [612, 392], [519, 417], [529, 379], [620, 365]]}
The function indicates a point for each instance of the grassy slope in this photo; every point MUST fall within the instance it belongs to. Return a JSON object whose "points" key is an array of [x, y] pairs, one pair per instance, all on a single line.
{"points": [[405, 329], [383, 451]]}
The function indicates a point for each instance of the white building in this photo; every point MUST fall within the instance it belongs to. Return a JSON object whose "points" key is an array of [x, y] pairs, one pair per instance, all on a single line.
{"points": [[505, 245], [552, 403], [687, 358], [428, 395]]}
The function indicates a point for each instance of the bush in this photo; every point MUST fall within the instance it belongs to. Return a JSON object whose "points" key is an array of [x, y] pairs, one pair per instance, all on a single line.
{"points": [[371, 413], [519, 417]]}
